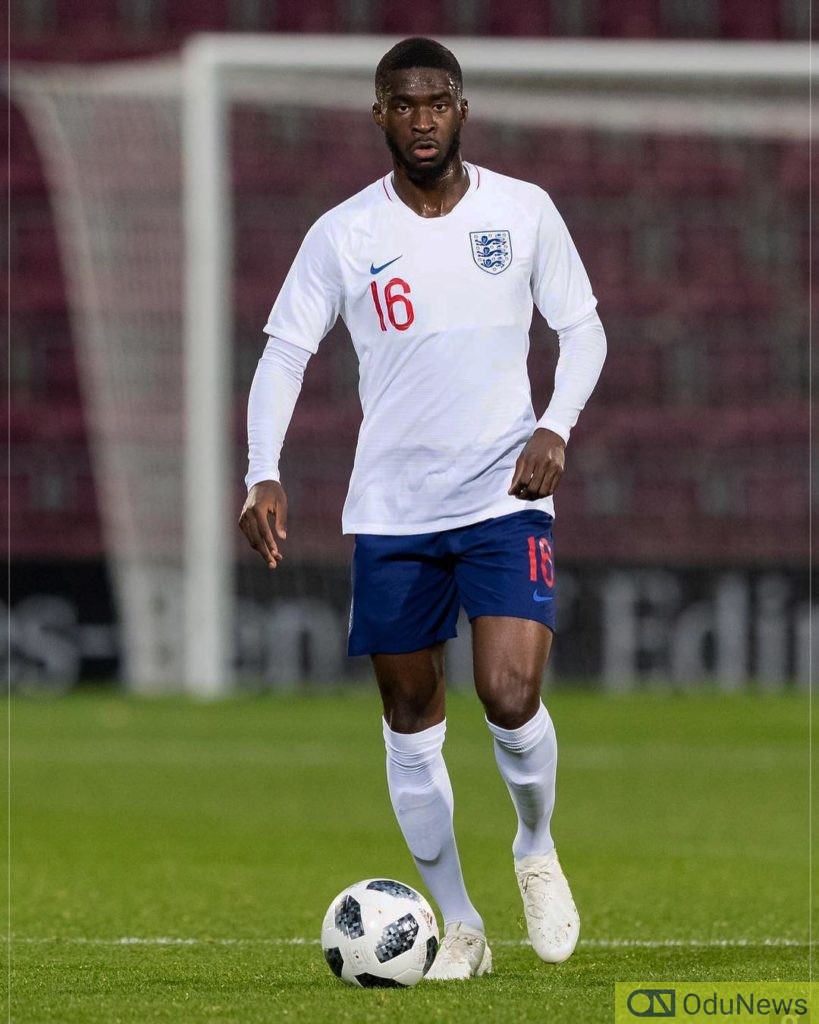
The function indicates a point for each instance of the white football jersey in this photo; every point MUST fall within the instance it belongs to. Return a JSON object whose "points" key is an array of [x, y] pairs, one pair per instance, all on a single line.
{"points": [[439, 311]]}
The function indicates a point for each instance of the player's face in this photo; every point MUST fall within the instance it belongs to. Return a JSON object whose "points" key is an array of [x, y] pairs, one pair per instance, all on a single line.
{"points": [[421, 115]]}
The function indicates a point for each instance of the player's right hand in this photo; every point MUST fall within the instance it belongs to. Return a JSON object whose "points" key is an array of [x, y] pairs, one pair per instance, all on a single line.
{"points": [[266, 501]]}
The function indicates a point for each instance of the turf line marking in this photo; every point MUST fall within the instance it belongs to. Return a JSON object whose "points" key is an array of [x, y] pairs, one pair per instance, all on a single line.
{"points": [[584, 943]]}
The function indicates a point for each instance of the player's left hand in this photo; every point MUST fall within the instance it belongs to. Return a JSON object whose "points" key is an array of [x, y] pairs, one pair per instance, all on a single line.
{"points": [[539, 467]]}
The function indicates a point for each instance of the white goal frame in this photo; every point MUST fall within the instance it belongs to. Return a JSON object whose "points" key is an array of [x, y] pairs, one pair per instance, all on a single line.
{"points": [[745, 68]]}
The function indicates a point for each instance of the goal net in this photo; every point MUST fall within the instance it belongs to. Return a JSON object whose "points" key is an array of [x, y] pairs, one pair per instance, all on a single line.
{"points": [[182, 188]]}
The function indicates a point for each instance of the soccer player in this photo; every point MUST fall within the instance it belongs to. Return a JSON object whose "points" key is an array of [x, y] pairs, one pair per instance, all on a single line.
{"points": [[434, 269]]}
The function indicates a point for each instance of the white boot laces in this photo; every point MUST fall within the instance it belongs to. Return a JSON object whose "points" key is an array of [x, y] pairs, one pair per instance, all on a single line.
{"points": [[537, 891]]}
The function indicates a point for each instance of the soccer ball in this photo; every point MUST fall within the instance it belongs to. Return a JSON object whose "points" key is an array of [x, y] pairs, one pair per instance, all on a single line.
{"points": [[379, 934]]}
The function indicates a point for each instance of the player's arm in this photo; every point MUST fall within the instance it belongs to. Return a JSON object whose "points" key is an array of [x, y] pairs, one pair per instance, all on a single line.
{"points": [[273, 394], [542, 462], [306, 308], [563, 294]]}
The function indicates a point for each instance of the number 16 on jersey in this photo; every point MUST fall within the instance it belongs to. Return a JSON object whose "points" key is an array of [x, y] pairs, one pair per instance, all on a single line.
{"points": [[395, 295]]}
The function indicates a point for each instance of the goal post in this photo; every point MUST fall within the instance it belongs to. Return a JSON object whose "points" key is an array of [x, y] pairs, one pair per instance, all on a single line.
{"points": [[731, 90], [208, 591]]}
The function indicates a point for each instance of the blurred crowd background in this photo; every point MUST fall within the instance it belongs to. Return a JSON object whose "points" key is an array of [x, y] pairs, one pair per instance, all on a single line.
{"points": [[104, 29]]}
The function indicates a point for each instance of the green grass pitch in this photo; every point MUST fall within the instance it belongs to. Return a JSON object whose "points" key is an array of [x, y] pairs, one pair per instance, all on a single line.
{"points": [[226, 829]]}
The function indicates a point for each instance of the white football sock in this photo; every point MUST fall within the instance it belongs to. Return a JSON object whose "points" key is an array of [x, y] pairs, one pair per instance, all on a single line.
{"points": [[527, 759], [421, 796]]}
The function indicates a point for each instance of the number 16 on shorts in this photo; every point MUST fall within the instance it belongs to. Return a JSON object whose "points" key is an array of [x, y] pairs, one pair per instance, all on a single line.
{"points": [[541, 561]]}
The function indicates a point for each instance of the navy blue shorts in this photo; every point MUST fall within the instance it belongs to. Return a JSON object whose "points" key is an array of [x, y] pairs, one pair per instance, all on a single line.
{"points": [[408, 591]]}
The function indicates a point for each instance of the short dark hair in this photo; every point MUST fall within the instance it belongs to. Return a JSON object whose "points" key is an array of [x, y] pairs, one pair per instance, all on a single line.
{"points": [[417, 52]]}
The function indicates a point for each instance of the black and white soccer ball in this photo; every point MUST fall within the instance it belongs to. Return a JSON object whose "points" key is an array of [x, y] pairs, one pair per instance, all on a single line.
{"points": [[379, 933]]}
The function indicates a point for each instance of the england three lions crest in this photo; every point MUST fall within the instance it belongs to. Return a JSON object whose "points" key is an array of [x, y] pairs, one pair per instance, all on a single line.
{"points": [[491, 250]]}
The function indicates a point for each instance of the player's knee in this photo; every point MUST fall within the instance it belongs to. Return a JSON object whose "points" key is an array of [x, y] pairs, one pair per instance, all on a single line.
{"points": [[410, 709], [510, 696], [410, 716], [412, 694]]}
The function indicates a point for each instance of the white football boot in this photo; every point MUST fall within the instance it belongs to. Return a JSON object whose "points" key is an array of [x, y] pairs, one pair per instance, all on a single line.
{"points": [[463, 953], [551, 916]]}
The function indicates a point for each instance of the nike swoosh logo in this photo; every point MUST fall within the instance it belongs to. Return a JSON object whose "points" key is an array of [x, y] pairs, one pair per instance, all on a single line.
{"points": [[540, 599], [377, 270]]}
